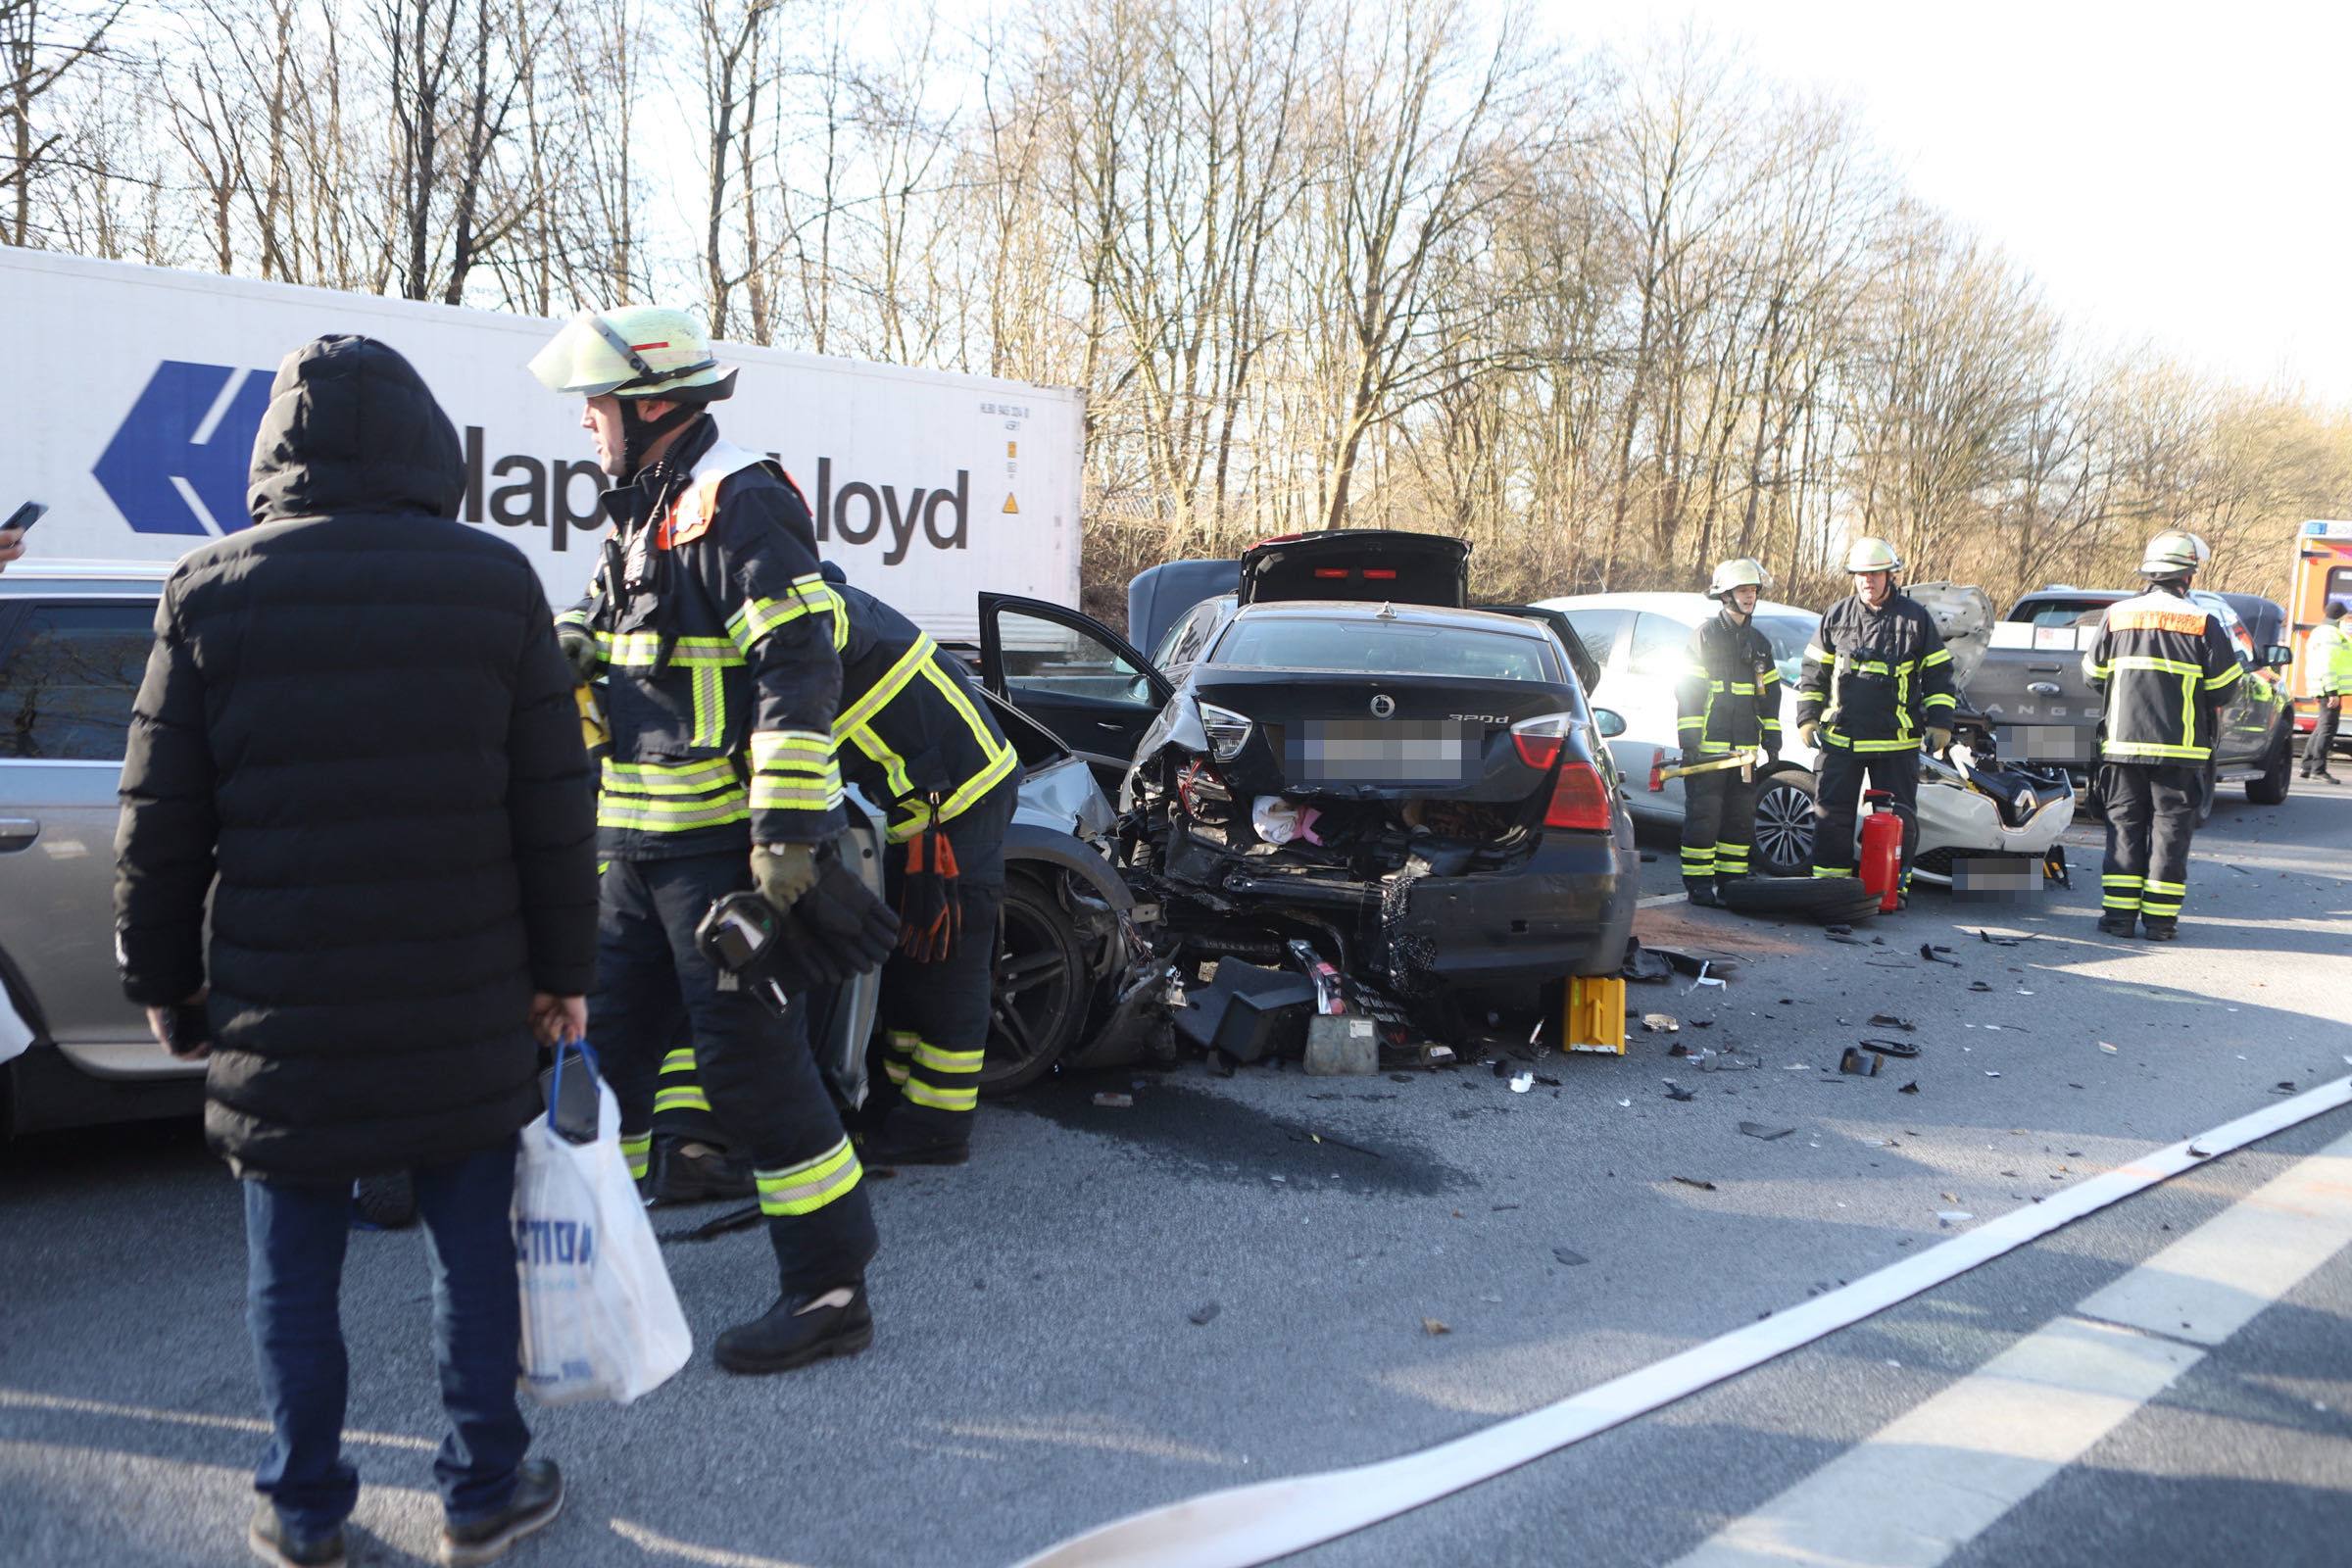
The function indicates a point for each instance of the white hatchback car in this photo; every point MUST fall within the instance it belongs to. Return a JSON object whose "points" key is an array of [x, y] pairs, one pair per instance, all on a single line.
{"points": [[1969, 805]]}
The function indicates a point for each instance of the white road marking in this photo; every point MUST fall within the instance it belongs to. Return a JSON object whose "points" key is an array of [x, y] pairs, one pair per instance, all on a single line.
{"points": [[1940, 1475], [1242, 1527]]}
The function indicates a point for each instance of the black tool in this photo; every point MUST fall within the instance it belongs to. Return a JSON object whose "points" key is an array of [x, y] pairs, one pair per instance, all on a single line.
{"points": [[24, 517]]}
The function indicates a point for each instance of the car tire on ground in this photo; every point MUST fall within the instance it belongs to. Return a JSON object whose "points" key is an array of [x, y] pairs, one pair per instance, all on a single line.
{"points": [[2270, 788], [1039, 993], [1783, 841]]}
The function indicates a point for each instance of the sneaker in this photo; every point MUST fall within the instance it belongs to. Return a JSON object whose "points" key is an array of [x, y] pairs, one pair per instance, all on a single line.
{"points": [[538, 1498], [273, 1540], [2120, 925], [2160, 927], [688, 1172], [799, 1329]]}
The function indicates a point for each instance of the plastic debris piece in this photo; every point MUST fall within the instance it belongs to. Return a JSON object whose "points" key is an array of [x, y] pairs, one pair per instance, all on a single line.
{"points": [[1904, 1049], [1911, 1088], [1569, 1257], [1860, 1064], [1114, 1102], [1693, 1181], [1977, 985], [1989, 1073], [2284, 1086], [2110, 1050], [1838, 930], [1206, 1313], [1851, 942], [1948, 1217], [1432, 1327], [1437, 1056], [1625, 1102], [1928, 952], [1887, 1020], [1521, 1083], [1675, 1090], [1661, 1023], [1757, 1129]]}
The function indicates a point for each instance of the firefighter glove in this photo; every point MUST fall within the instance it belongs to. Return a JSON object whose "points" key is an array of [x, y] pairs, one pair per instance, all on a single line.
{"points": [[845, 918], [784, 871], [930, 904], [1940, 736], [579, 650], [1806, 731]]}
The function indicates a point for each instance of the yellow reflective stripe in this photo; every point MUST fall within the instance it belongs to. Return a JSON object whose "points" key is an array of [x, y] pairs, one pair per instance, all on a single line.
{"points": [[709, 706], [1942, 655], [1816, 652], [689, 1099], [897, 1071], [807, 1187], [638, 650], [772, 794], [904, 1041], [574, 616], [2216, 682], [893, 682], [679, 1061], [1940, 700], [811, 595], [653, 817], [638, 1152], [920, 1093], [2170, 666], [671, 778], [927, 1055], [2127, 751], [790, 747], [1843, 741]]}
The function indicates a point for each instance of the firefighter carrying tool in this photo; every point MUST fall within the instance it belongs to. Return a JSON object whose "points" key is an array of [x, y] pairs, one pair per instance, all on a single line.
{"points": [[717, 636], [917, 737], [1728, 701], [2163, 666], [1877, 684]]}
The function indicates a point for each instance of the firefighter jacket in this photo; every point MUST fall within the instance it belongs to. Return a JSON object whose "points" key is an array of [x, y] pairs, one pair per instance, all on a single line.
{"points": [[2328, 654], [1874, 679], [2162, 663], [1729, 696], [913, 732], [721, 644]]}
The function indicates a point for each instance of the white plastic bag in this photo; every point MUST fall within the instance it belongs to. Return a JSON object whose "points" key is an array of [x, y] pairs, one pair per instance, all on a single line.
{"points": [[600, 1318]]}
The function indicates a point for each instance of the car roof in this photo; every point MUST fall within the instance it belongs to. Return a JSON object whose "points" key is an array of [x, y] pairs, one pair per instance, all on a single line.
{"points": [[1406, 614], [27, 578], [1691, 607]]}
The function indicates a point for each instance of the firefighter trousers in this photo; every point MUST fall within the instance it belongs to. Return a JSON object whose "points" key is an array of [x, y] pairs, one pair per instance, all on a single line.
{"points": [[752, 1069], [2323, 736], [1838, 795], [1719, 822], [2151, 815], [932, 1033]]}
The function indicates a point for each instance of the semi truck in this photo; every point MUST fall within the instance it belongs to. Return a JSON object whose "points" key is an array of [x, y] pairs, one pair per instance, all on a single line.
{"points": [[137, 391]]}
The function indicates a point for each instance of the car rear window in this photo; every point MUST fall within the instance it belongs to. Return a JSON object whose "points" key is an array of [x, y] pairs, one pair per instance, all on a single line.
{"points": [[1373, 646], [68, 676], [2059, 611]]}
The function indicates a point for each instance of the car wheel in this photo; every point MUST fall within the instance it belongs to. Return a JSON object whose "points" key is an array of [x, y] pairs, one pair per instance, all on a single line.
{"points": [[1037, 1000], [2271, 788], [1783, 841], [387, 1201]]}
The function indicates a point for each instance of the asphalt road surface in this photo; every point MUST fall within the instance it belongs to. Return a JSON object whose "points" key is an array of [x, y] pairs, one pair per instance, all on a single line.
{"points": [[1039, 1369]]}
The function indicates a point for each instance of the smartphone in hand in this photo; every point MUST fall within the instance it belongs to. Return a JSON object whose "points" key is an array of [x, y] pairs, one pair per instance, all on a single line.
{"points": [[24, 517]]}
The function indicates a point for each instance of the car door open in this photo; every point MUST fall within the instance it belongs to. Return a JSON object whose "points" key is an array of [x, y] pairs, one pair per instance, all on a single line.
{"points": [[1072, 674]]}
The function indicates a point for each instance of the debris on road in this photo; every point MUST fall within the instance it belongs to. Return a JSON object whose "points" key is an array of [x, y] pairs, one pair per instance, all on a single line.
{"points": [[1887, 1020], [1569, 1257], [1950, 1217], [2104, 1046], [1675, 1090], [1521, 1083], [1903, 1048], [1432, 1327], [1928, 952], [1340, 1045], [1204, 1314], [1693, 1181], [1911, 1088], [1977, 985], [1661, 1023], [1727, 1061], [2006, 942], [1757, 1129], [1851, 942], [1114, 1102], [1860, 1063]]}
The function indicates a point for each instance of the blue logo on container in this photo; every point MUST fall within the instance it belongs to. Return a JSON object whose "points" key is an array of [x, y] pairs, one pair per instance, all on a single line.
{"points": [[161, 478]]}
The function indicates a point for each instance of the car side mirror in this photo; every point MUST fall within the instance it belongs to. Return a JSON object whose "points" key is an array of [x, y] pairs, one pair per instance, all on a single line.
{"points": [[1609, 721], [2277, 656]]}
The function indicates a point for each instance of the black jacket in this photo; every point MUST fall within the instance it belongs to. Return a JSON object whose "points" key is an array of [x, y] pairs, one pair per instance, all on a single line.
{"points": [[721, 650], [913, 722], [357, 733], [2164, 665], [1876, 678], [1729, 696]]}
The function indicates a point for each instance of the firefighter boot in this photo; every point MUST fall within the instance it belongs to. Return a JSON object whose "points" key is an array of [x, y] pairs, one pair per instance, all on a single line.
{"points": [[688, 1171], [799, 1329], [1701, 892], [910, 1136], [2161, 927], [2120, 922]]}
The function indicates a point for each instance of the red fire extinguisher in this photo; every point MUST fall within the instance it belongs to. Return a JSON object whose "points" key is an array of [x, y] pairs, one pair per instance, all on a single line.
{"points": [[1881, 850]]}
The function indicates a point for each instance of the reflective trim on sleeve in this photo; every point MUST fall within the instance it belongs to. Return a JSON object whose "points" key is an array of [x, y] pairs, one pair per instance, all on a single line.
{"points": [[641, 649], [689, 1098]]}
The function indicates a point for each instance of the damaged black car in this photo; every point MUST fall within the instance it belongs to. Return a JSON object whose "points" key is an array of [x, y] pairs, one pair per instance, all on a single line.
{"points": [[1353, 757]]}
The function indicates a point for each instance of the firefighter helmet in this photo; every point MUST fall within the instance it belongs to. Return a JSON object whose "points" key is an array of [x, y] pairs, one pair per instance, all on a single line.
{"points": [[2173, 554], [638, 351], [1871, 555], [1740, 572]]}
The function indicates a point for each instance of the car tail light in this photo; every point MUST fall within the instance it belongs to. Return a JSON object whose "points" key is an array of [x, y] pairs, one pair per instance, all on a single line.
{"points": [[1381, 573], [1540, 739], [1657, 773], [1580, 799], [1228, 731], [1331, 572]]}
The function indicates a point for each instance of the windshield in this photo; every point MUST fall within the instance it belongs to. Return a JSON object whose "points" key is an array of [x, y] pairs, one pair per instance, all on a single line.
{"points": [[1360, 644], [1788, 635], [2060, 612]]}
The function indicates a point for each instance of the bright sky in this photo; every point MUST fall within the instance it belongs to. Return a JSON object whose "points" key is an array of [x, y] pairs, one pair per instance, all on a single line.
{"points": [[2173, 173]]}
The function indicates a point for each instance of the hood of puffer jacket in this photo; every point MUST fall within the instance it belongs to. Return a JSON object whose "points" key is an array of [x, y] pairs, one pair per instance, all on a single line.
{"points": [[352, 427]]}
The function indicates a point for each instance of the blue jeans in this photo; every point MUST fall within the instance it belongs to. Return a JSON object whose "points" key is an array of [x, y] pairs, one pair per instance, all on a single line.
{"points": [[294, 1235]]}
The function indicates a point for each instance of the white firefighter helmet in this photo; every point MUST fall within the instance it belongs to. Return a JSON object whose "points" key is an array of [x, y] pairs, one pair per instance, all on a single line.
{"points": [[1871, 555], [1743, 572], [638, 351], [2173, 554]]}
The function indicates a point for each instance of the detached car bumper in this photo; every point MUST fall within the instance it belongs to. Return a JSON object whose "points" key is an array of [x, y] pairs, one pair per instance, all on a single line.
{"points": [[1567, 910]]}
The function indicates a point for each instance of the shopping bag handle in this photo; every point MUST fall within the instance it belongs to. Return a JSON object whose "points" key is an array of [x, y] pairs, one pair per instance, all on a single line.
{"points": [[573, 1128]]}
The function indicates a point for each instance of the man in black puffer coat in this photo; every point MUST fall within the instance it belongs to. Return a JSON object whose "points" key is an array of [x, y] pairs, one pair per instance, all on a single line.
{"points": [[358, 734]]}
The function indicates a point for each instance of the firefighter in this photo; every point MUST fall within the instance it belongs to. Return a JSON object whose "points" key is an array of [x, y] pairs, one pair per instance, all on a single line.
{"points": [[915, 736], [1728, 700], [2328, 654], [715, 635], [1876, 683], [2163, 666]]}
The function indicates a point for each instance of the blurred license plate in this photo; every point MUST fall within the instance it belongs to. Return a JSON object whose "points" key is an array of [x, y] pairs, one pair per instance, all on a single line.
{"points": [[2043, 743], [1995, 878], [1396, 751]]}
